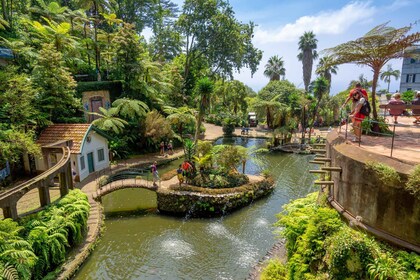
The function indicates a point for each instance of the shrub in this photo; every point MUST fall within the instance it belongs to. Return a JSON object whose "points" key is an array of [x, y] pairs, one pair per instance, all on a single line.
{"points": [[275, 270], [413, 183], [385, 174]]}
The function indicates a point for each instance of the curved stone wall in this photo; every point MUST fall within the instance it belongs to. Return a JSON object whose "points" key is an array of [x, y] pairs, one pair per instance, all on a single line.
{"points": [[207, 205], [363, 195]]}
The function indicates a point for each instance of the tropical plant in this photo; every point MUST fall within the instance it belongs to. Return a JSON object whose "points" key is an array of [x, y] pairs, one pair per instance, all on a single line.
{"points": [[157, 127], [375, 49], [274, 69], [204, 89], [319, 89], [307, 47], [109, 121], [189, 149], [180, 117], [362, 80], [130, 108], [386, 75], [325, 68]]}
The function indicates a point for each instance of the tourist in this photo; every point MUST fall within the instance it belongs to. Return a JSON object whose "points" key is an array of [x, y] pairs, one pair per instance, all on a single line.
{"points": [[356, 116], [179, 172], [155, 173], [416, 112], [358, 89], [396, 100], [162, 148], [170, 147], [188, 168]]}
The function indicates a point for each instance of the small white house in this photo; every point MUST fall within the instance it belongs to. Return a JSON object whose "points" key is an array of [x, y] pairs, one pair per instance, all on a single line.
{"points": [[89, 149]]}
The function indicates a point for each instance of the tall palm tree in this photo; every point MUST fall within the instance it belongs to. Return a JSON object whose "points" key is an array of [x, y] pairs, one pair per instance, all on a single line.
{"points": [[274, 68], [307, 47], [319, 88], [386, 75], [325, 69], [375, 49], [204, 89]]}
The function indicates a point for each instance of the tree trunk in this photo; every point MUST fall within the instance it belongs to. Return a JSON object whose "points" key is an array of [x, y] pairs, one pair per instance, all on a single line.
{"points": [[197, 130], [313, 119], [4, 10], [376, 71]]}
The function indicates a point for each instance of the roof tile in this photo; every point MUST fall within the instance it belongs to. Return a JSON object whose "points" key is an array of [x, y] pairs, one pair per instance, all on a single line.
{"points": [[64, 132]]}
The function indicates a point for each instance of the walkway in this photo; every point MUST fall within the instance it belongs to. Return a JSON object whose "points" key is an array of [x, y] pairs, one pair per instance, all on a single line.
{"points": [[406, 143]]}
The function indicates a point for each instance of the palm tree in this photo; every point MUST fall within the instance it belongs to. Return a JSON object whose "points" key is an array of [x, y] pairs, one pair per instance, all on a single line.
{"points": [[362, 80], [325, 69], [386, 75], [307, 47], [204, 89], [375, 49], [274, 68], [319, 88], [108, 120]]}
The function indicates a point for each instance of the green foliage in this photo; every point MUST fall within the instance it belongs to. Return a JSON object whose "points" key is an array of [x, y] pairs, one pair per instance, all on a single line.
{"points": [[413, 183], [384, 173], [320, 246], [228, 126], [275, 270], [407, 96]]}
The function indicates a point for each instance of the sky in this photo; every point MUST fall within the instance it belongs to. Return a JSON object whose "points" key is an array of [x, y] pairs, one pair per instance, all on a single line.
{"points": [[280, 23]]}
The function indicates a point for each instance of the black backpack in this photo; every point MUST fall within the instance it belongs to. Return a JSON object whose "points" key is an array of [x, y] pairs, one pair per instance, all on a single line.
{"points": [[366, 109]]}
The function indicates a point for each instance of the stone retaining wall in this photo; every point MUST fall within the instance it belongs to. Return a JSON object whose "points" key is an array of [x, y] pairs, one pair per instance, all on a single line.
{"points": [[183, 203], [360, 192]]}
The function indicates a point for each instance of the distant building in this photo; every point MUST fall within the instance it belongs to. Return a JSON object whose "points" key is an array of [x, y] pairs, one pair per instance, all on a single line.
{"points": [[410, 73]]}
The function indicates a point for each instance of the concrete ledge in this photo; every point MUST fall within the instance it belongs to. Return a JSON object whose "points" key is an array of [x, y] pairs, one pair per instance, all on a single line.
{"points": [[361, 194]]}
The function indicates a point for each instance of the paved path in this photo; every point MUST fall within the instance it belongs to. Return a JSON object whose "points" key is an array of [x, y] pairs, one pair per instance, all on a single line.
{"points": [[406, 142]]}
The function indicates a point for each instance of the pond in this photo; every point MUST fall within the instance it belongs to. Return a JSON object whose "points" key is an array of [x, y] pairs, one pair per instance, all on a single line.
{"points": [[153, 246]]}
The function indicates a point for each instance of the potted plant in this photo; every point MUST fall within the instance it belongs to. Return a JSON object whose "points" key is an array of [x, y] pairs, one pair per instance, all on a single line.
{"points": [[388, 96]]}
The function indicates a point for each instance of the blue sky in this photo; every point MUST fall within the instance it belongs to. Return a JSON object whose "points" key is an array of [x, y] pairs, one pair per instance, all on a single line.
{"points": [[280, 23]]}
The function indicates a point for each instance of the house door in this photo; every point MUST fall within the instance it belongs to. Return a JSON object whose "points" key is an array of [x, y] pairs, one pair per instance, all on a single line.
{"points": [[91, 166], [96, 102]]}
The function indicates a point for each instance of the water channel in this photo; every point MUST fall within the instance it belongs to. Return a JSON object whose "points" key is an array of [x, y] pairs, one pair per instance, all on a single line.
{"points": [[153, 246]]}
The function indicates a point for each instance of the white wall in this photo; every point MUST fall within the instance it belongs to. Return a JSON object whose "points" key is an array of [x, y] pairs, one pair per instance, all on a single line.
{"points": [[96, 143]]}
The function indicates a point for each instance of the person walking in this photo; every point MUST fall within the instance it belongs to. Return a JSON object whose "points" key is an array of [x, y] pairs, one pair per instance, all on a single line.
{"points": [[155, 173], [162, 148], [170, 147]]}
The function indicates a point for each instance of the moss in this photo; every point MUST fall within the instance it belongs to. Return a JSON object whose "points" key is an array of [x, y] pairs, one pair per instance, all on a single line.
{"points": [[413, 183], [386, 174]]}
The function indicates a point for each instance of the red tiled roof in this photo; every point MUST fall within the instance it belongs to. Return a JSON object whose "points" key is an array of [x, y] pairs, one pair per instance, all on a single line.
{"points": [[63, 132]]}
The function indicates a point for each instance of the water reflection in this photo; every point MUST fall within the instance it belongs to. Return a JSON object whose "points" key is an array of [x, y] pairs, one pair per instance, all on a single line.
{"points": [[153, 246]]}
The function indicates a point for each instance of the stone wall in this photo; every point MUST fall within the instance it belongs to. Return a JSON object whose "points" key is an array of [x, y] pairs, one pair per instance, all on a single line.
{"points": [[361, 193], [183, 203]]}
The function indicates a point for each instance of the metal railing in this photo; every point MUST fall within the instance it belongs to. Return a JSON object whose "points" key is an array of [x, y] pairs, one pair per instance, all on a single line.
{"points": [[392, 131]]}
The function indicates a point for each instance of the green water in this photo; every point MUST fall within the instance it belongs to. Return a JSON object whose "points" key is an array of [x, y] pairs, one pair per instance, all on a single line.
{"points": [[153, 246]]}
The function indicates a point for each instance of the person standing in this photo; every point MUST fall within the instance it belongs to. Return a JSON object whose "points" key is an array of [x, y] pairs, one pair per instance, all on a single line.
{"points": [[396, 100], [155, 173], [416, 112], [356, 116], [179, 174], [358, 89], [162, 148], [170, 147], [187, 168]]}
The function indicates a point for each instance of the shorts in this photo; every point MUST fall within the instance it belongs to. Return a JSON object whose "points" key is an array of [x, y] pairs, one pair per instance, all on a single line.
{"points": [[359, 117], [180, 177]]}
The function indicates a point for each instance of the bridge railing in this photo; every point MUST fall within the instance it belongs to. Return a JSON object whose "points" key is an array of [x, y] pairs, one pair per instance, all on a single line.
{"points": [[30, 184], [117, 178]]}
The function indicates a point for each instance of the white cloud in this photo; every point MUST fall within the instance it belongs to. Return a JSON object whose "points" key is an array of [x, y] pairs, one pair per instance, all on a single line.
{"points": [[330, 22]]}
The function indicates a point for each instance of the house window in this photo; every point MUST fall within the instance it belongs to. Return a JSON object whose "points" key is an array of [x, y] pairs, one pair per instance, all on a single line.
{"points": [[82, 163], [101, 155], [412, 60]]}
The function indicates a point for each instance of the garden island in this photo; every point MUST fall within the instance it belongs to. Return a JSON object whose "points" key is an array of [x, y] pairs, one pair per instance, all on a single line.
{"points": [[127, 158]]}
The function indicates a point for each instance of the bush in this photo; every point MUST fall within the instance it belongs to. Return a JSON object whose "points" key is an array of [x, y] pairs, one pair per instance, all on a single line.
{"points": [[413, 183], [275, 270], [407, 96], [384, 173]]}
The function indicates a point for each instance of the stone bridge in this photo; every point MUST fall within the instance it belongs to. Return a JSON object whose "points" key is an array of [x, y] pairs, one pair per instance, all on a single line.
{"points": [[125, 184], [10, 198]]}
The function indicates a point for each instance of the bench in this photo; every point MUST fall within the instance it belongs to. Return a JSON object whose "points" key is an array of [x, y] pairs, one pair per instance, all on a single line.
{"points": [[403, 107]]}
